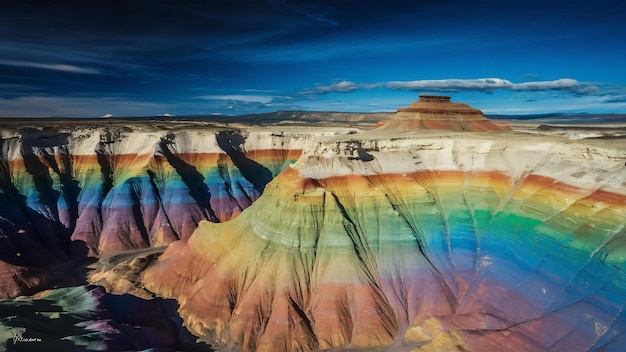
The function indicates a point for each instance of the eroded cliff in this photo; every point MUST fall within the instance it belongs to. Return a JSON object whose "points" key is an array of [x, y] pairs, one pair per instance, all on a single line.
{"points": [[422, 240], [99, 189]]}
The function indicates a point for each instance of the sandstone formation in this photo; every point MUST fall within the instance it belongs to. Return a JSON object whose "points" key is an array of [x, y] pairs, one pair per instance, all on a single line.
{"points": [[100, 189], [424, 240], [438, 113]]}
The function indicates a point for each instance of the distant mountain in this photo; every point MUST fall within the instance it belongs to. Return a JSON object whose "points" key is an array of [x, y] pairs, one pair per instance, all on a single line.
{"points": [[582, 116], [321, 117]]}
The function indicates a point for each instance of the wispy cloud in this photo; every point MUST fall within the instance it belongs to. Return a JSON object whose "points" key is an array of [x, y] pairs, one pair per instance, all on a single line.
{"points": [[460, 85], [250, 90], [340, 87], [112, 58], [53, 67], [617, 98], [535, 96], [541, 94], [489, 84], [567, 84], [265, 99], [452, 84]]}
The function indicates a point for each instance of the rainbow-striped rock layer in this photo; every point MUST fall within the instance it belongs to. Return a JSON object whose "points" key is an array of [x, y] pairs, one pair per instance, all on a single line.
{"points": [[426, 241], [101, 190]]}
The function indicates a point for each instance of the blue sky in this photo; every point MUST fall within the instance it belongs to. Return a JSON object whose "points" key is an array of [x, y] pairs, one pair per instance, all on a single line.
{"points": [[141, 58]]}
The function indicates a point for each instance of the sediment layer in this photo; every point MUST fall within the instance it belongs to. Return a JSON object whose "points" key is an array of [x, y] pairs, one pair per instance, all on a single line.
{"points": [[436, 112], [95, 191], [425, 240]]}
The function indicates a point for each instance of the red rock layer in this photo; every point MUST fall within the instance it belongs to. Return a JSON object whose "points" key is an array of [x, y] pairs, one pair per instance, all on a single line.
{"points": [[428, 259], [438, 113]]}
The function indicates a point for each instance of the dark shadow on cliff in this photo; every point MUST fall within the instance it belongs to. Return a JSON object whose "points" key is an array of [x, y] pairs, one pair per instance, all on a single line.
{"points": [[257, 174], [138, 216], [40, 267], [73, 271], [21, 244], [193, 179], [364, 155], [35, 150], [40, 245], [105, 169]]}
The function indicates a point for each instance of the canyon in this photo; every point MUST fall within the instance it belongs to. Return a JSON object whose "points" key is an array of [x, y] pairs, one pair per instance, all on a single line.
{"points": [[101, 189], [437, 229]]}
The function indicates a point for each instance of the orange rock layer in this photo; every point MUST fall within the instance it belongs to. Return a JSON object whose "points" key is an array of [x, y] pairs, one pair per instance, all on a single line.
{"points": [[431, 259], [438, 113]]}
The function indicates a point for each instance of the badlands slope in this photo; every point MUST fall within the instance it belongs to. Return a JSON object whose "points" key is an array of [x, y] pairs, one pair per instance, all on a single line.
{"points": [[424, 239], [72, 189], [439, 230]]}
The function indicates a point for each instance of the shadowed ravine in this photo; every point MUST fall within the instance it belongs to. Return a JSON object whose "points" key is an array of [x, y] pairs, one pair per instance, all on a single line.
{"points": [[193, 179], [113, 189], [255, 173]]}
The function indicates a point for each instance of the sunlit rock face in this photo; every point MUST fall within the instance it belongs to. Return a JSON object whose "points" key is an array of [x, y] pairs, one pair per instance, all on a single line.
{"points": [[420, 240], [102, 189], [437, 112]]}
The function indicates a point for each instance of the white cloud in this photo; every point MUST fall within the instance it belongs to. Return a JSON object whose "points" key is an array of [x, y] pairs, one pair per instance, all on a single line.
{"points": [[458, 85], [261, 90], [452, 84], [492, 84], [53, 67], [559, 84], [617, 98], [341, 87]]}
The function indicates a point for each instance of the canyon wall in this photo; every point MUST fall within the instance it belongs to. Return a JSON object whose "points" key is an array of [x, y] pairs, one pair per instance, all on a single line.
{"points": [[99, 189], [423, 240]]}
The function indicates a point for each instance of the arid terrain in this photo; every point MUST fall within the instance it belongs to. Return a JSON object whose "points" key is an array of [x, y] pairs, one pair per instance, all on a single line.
{"points": [[432, 228]]}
